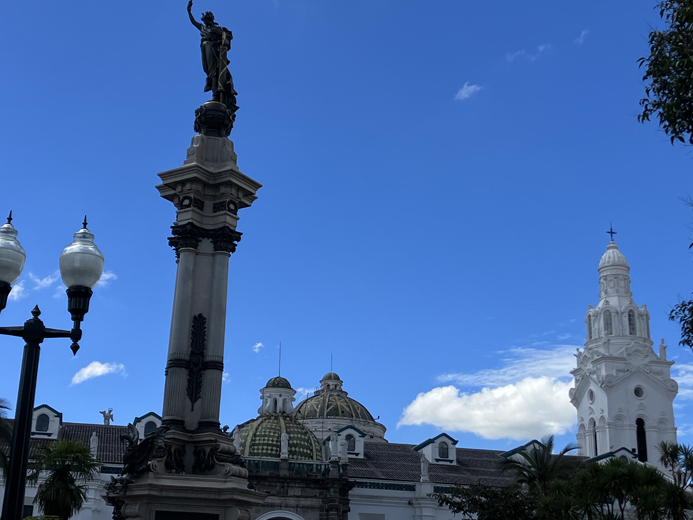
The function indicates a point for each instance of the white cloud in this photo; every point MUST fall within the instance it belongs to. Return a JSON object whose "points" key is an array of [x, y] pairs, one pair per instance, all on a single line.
{"points": [[18, 292], [527, 396], [581, 39], [683, 375], [42, 283], [512, 56], [530, 408], [59, 291], [257, 347], [466, 91], [302, 393], [106, 278], [225, 377], [96, 369], [519, 363]]}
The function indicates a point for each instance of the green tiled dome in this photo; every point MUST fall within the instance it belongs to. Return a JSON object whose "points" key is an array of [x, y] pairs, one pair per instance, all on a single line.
{"points": [[261, 438], [278, 382], [332, 404]]}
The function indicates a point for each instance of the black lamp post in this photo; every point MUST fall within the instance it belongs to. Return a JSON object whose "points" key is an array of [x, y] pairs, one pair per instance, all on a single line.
{"points": [[81, 265]]}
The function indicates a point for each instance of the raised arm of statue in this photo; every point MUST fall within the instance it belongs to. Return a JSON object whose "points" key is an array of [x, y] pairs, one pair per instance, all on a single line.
{"points": [[197, 24]]}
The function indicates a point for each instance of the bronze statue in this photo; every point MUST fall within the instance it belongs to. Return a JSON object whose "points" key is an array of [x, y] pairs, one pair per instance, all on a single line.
{"points": [[216, 42]]}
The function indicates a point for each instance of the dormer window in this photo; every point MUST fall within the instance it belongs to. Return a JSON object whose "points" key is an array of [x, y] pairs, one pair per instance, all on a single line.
{"points": [[443, 451], [42, 422], [608, 324], [631, 323], [351, 442], [149, 427]]}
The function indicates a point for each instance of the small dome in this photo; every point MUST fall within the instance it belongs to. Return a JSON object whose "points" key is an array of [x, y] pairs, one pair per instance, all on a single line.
{"points": [[332, 404], [278, 382], [612, 257], [331, 376], [261, 438]]}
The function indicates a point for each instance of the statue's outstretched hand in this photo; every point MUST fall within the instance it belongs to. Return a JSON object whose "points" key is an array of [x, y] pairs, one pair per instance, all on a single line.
{"points": [[190, 3]]}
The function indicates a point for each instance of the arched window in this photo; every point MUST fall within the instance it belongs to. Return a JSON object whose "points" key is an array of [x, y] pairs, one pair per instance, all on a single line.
{"points": [[593, 431], [631, 323], [42, 423], [351, 443], [149, 427], [608, 324], [274, 405], [642, 439], [589, 327], [443, 451]]}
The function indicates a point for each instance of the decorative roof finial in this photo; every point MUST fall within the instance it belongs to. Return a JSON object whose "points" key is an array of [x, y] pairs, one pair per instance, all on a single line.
{"points": [[611, 232], [84, 224], [9, 218]]}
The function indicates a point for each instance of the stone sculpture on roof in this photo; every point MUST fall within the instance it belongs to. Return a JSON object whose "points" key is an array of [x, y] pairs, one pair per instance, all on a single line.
{"points": [[107, 416]]}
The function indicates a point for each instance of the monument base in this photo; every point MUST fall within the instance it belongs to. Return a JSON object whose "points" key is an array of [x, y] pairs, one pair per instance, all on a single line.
{"points": [[162, 496]]}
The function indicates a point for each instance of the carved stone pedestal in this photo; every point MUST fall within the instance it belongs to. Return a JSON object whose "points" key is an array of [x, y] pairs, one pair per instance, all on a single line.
{"points": [[168, 496]]}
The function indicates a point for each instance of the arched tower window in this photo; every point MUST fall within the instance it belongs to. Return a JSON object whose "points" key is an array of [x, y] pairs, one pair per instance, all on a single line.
{"points": [[274, 405], [443, 451], [149, 427], [351, 443], [589, 327], [642, 439], [608, 324], [593, 437], [42, 423], [631, 323]]}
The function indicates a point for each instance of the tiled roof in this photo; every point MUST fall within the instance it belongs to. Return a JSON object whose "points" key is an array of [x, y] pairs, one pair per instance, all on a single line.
{"points": [[401, 463], [109, 451]]}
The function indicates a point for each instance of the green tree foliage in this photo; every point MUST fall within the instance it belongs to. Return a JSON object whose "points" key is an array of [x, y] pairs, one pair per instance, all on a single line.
{"points": [[68, 465], [482, 502], [683, 314], [616, 489], [669, 72]]}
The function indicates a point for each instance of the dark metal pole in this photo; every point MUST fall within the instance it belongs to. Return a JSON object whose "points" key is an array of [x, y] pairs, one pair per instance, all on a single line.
{"points": [[15, 483]]}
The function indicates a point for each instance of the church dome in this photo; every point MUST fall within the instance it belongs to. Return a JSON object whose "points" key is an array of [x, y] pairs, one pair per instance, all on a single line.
{"points": [[261, 438], [613, 257], [331, 376], [278, 382], [328, 403]]}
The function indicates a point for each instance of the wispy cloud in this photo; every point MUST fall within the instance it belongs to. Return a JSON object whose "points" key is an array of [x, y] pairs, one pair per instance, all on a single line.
{"points": [[302, 393], [581, 39], [466, 91], [225, 377], [257, 347], [519, 363], [97, 369], [18, 292], [527, 396], [683, 375], [106, 278], [512, 56], [47, 281]]}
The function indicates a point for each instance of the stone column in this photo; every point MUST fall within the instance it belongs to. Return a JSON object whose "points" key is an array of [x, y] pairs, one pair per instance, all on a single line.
{"points": [[207, 191]]}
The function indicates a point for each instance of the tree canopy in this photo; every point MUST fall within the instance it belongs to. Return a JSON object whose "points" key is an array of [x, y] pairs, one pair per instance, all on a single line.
{"points": [[669, 72]]}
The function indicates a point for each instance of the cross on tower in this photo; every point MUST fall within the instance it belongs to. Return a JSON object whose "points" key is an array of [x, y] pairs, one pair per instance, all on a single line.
{"points": [[611, 232]]}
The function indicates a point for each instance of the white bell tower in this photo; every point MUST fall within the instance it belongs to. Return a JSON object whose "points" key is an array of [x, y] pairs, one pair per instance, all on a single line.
{"points": [[623, 390]]}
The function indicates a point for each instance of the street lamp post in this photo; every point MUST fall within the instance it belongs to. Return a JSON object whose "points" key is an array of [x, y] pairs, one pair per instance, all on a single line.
{"points": [[81, 265]]}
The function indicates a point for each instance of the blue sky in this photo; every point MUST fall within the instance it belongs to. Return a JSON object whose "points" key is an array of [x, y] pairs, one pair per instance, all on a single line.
{"points": [[438, 179]]}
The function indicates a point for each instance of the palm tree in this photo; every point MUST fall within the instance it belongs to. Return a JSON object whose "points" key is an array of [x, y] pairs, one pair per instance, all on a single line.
{"points": [[678, 459], [537, 465], [70, 465], [5, 436]]}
